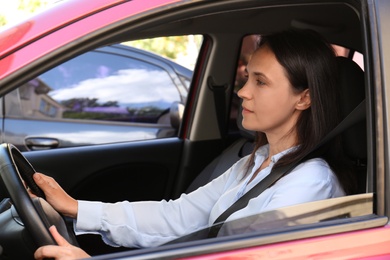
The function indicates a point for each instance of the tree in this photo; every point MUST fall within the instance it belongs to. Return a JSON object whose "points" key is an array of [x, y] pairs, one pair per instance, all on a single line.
{"points": [[173, 47], [14, 9], [167, 46], [31, 6], [3, 20]]}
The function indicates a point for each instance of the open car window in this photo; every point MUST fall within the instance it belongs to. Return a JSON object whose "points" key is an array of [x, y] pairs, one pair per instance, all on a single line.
{"points": [[303, 214], [319, 218], [288, 218], [134, 90]]}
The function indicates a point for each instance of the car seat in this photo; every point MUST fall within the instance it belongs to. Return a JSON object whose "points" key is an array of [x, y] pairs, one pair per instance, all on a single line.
{"points": [[351, 82]]}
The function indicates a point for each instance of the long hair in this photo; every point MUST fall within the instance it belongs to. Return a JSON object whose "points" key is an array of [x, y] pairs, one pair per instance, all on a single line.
{"points": [[309, 63]]}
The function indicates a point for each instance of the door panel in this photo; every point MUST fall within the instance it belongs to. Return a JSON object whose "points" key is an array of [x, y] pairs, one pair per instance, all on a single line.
{"points": [[135, 171], [143, 170]]}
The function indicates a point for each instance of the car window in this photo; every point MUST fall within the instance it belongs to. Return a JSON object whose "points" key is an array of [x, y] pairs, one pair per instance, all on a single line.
{"points": [[282, 220], [302, 214], [113, 86], [102, 86]]}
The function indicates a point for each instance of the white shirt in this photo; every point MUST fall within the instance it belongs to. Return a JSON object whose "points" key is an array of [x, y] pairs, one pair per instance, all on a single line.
{"points": [[152, 223]]}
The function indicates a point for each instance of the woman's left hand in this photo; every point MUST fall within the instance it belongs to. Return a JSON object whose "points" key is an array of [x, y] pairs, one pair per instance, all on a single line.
{"points": [[64, 250]]}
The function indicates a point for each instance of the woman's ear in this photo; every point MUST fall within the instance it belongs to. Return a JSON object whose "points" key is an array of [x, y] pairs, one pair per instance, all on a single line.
{"points": [[304, 101]]}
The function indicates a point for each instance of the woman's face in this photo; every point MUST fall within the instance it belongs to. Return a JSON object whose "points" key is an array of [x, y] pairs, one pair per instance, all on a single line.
{"points": [[269, 102]]}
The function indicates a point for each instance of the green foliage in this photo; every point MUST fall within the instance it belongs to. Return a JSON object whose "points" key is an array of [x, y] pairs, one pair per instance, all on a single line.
{"points": [[75, 110], [3, 20], [145, 111], [80, 103], [88, 115], [21, 7], [31, 5], [169, 47]]}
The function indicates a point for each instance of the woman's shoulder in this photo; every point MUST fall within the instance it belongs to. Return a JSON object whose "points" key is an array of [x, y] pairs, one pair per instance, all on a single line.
{"points": [[313, 169], [315, 175], [315, 162]]}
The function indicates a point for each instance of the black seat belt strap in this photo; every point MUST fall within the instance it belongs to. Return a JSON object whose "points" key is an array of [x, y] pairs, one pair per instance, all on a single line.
{"points": [[242, 202], [276, 173]]}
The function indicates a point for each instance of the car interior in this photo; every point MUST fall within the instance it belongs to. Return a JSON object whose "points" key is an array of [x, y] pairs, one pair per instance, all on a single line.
{"points": [[211, 137], [351, 84]]}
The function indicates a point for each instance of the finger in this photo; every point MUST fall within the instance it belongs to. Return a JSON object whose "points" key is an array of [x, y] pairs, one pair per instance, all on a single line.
{"points": [[46, 252], [39, 179], [32, 195], [61, 241], [42, 183], [46, 183]]}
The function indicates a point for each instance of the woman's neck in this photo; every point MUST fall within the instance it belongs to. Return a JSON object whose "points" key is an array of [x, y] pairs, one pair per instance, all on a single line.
{"points": [[278, 145], [274, 148]]}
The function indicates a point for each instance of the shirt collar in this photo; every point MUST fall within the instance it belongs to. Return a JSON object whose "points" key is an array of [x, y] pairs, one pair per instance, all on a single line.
{"points": [[263, 152]]}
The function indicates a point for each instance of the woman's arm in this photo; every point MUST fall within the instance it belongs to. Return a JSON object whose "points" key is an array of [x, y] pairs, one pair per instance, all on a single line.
{"points": [[149, 223]]}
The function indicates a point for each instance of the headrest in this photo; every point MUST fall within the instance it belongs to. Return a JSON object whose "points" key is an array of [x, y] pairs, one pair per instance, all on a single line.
{"points": [[352, 90]]}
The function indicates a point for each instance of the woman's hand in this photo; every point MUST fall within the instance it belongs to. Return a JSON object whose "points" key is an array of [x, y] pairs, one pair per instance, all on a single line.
{"points": [[63, 251], [56, 196]]}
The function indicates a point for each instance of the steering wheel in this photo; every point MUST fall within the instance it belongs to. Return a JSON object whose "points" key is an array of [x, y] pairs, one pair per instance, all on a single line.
{"points": [[36, 214]]}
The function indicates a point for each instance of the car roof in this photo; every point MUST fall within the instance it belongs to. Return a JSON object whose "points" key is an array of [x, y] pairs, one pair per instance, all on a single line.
{"points": [[63, 25], [60, 15]]}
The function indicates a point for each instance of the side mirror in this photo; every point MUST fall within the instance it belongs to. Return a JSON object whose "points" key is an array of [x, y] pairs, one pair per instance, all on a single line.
{"points": [[176, 114]]}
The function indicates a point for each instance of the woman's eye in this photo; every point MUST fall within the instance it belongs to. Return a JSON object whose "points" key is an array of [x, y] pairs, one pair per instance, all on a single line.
{"points": [[261, 83]]}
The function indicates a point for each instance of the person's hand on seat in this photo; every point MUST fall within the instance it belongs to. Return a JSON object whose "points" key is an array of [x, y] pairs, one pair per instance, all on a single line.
{"points": [[63, 251], [56, 196]]}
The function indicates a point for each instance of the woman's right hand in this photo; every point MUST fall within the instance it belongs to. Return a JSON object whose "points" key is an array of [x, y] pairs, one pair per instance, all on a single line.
{"points": [[56, 196]]}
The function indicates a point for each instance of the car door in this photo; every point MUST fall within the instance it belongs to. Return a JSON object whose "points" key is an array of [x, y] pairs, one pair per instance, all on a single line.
{"points": [[137, 170], [112, 166], [163, 168]]}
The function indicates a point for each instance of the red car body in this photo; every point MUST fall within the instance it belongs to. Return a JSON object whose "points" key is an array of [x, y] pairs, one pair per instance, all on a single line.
{"points": [[67, 24]]}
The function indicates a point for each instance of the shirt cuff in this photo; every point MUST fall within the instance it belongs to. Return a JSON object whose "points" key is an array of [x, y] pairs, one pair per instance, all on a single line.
{"points": [[89, 215]]}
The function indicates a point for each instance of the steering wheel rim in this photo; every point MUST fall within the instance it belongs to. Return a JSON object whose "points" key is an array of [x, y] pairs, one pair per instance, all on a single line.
{"points": [[14, 168]]}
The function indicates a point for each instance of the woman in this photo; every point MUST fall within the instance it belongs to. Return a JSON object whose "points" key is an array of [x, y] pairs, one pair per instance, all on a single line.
{"points": [[290, 100]]}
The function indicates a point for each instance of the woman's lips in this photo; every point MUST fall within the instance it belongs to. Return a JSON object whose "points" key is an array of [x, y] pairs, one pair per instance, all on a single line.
{"points": [[245, 110]]}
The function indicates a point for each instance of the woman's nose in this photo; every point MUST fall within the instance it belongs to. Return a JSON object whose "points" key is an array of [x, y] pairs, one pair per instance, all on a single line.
{"points": [[243, 93]]}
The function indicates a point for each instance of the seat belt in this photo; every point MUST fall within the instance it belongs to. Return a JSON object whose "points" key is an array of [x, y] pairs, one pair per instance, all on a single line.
{"points": [[353, 117]]}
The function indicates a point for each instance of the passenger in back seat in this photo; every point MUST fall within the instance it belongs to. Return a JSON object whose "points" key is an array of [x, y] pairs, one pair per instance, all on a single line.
{"points": [[291, 101]]}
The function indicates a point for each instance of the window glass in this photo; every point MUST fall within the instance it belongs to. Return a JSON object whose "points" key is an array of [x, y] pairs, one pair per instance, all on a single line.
{"points": [[113, 86], [103, 86]]}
